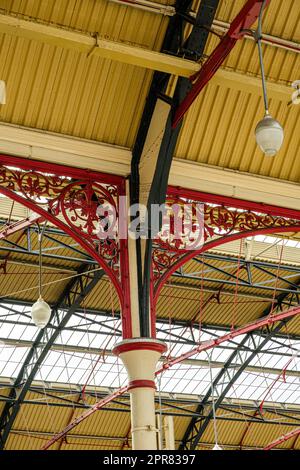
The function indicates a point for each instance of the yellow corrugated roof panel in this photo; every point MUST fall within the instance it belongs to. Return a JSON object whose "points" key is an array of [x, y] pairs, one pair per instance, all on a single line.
{"points": [[64, 91], [219, 127]]}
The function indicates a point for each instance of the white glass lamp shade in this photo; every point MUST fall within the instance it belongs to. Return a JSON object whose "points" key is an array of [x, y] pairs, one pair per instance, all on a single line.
{"points": [[217, 447], [269, 135], [40, 313]]}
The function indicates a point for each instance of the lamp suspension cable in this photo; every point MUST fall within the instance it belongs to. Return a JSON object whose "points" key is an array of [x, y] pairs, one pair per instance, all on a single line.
{"points": [[269, 133], [258, 38]]}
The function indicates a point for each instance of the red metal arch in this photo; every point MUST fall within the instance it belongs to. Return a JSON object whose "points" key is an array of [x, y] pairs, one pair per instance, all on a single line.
{"points": [[11, 180], [289, 218]]}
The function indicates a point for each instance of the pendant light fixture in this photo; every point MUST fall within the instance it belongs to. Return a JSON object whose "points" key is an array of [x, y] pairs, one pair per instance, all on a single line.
{"points": [[40, 311], [269, 133]]}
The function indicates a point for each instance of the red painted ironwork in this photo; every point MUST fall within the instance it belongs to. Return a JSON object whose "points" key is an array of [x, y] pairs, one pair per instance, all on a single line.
{"points": [[224, 220], [138, 346], [69, 198], [282, 439], [84, 416], [242, 22], [14, 227], [205, 346], [210, 344]]}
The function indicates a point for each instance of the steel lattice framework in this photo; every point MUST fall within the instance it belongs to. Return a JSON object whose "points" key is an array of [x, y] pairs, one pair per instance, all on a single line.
{"points": [[247, 350], [66, 306]]}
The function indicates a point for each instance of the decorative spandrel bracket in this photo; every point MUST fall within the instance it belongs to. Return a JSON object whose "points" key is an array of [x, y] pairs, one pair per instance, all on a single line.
{"points": [[197, 222], [78, 202]]}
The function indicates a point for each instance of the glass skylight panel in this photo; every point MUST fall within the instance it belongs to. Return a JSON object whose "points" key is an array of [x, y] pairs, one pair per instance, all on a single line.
{"points": [[81, 365], [263, 387], [76, 376], [218, 355], [100, 341], [189, 374], [294, 398]]}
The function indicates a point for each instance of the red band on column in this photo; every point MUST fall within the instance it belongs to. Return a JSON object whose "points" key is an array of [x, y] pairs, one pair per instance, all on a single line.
{"points": [[141, 383], [137, 346]]}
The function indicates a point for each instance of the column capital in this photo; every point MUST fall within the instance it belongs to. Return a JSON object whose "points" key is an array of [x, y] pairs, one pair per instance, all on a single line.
{"points": [[138, 344]]}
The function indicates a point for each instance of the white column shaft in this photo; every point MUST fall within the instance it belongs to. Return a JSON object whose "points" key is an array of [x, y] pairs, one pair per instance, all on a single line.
{"points": [[140, 357], [143, 426]]}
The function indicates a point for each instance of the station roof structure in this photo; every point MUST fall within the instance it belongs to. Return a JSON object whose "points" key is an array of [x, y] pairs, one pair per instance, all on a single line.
{"points": [[78, 73]]}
